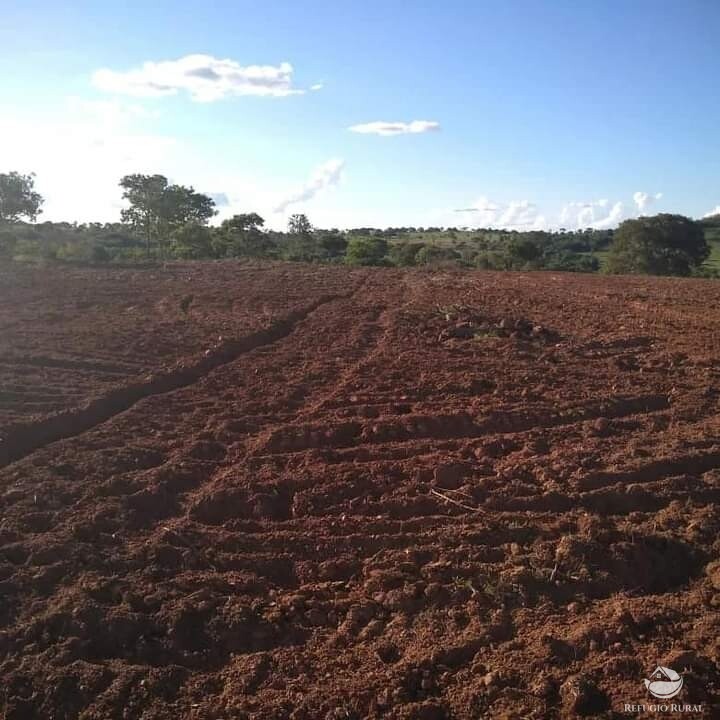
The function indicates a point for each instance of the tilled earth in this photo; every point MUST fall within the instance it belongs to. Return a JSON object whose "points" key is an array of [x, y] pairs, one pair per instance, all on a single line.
{"points": [[281, 491]]}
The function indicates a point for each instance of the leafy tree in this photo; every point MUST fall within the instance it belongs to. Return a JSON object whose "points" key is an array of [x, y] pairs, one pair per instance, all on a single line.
{"points": [[144, 193], [18, 197], [523, 252], [663, 244], [332, 244], [182, 204], [301, 244], [367, 251], [158, 208], [299, 224], [242, 236]]}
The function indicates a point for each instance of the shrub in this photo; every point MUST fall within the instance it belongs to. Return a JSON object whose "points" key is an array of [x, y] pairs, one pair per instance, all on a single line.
{"points": [[367, 251], [405, 254], [191, 241], [436, 255]]}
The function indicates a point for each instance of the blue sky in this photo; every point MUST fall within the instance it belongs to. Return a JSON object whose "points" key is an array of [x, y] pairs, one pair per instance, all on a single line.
{"points": [[521, 114]]}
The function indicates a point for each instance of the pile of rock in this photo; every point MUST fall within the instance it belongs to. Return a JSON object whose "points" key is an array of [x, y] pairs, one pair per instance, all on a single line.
{"points": [[467, 326]]}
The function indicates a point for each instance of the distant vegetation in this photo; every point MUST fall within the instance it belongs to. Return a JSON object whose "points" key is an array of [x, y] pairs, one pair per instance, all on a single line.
{"points": [[660, 245], [166, 221]]}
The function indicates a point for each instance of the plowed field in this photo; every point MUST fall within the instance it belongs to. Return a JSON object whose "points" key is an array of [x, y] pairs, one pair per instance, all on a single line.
{"points": [[232, 491]]}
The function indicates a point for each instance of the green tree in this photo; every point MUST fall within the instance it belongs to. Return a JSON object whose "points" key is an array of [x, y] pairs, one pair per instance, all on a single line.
{"points": [[299, 224], [158, 208], [18, 197], [367, 251], [332, 244], [523, 252], [242, 236], [301, 243], [663, 244]]}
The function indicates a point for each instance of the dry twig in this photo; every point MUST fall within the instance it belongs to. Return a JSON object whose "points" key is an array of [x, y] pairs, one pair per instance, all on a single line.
{"points": [[453, 500]]}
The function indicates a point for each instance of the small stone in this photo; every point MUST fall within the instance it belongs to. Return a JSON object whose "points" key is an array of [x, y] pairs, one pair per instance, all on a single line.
{"points": [[601, 426], [490, 679], [712, 570]]}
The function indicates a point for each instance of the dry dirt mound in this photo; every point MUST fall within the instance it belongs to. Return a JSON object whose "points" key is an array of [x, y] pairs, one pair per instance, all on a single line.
{"points": [[364, 506]]}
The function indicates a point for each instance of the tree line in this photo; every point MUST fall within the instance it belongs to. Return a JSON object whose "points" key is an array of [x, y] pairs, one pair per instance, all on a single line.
{"points": [[171, 221]]}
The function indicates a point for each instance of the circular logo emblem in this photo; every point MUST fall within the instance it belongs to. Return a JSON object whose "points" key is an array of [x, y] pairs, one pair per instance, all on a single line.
{"points": [[664, 683]]}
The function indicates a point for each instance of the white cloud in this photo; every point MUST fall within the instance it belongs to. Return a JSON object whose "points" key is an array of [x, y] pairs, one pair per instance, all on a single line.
{"points": [[325, 176], [591, 214], [518, 215], [525, 215], [204, 77], [611, 219], [380, 127], [643, 200], [482, 213], [712, 213], [317, 86], [601, 214], [515, 215], [586, 216]]}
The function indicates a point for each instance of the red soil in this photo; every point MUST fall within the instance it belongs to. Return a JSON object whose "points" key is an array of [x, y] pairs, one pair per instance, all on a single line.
{"points": [[381, 494]]}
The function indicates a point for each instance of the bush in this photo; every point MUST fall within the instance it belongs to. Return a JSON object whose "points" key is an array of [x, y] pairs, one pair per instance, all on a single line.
{"points": [[492, 260], [367, 251], [332, 245], [191, 242], [405, 254], [571, 262], [436, 255]]}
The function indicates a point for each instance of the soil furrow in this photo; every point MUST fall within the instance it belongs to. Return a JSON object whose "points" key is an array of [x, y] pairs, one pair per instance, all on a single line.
{"points": [[21, 439]]}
